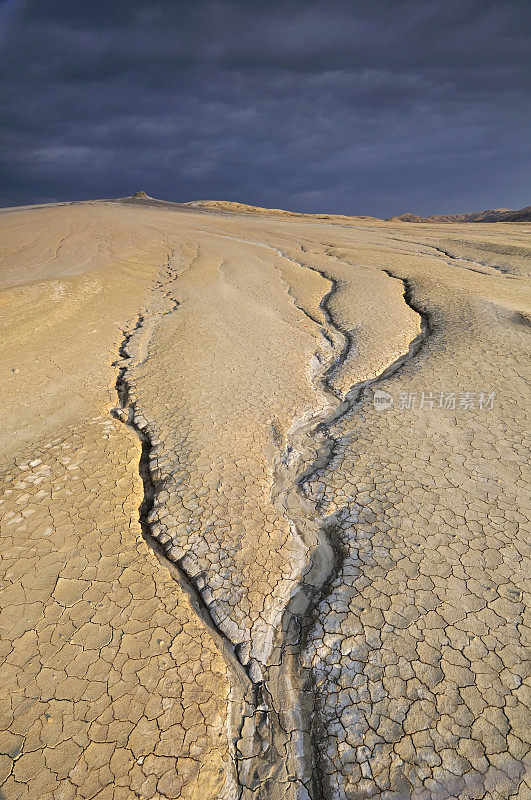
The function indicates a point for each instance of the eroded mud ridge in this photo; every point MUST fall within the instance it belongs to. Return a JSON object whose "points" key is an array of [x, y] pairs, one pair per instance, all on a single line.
{"points": [[272, 752], [263, 535]]}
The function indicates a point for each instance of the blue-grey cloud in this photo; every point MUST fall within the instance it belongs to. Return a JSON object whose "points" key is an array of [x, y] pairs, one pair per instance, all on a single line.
{"points": [[369, 106]]}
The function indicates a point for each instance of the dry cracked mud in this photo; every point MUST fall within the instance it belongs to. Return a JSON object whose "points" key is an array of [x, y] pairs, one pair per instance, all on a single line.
{"points": [[264, 524]]}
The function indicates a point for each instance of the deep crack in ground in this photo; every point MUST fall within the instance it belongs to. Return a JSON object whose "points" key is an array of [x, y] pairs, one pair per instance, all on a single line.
{"points": [[271, 719]]}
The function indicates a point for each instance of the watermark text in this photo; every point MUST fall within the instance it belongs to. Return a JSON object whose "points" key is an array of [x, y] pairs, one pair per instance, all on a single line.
{"points": [[429, 401]]}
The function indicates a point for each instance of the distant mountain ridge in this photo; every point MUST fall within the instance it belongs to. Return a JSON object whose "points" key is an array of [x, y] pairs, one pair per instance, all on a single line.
{"points": [[492, 215], [233, 207]]}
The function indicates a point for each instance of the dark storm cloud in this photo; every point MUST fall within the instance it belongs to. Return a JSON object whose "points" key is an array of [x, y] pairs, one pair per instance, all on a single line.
{"points": [[358, 107]]}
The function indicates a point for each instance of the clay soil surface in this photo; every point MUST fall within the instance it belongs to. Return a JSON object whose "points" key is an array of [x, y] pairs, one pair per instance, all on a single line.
{"points": [[264, 532]]}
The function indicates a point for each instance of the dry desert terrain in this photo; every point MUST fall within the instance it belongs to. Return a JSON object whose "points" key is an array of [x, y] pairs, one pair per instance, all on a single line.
{"points": [[263, 508]]}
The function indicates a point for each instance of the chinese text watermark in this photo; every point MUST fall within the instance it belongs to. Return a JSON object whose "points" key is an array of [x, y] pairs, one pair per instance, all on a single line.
{"points": [[429, 401]]}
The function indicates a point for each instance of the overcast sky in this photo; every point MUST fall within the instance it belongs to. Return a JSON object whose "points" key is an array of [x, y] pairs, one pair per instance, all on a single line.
{"points": [[375, 107]]}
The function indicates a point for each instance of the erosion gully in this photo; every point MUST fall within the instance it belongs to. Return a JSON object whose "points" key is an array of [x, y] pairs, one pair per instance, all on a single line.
{"points": [[273, 754]]}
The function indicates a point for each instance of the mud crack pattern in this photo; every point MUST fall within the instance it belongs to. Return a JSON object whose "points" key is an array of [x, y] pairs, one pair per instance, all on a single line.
{"points": [[263, 585]]}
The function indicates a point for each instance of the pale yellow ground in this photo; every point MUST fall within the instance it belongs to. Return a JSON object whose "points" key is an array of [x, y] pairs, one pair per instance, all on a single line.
{"points": [[111, 685]]}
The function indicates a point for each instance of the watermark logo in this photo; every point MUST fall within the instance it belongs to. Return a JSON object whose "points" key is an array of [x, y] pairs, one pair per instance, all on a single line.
{"points": [[382, 400], [429, 401]]}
